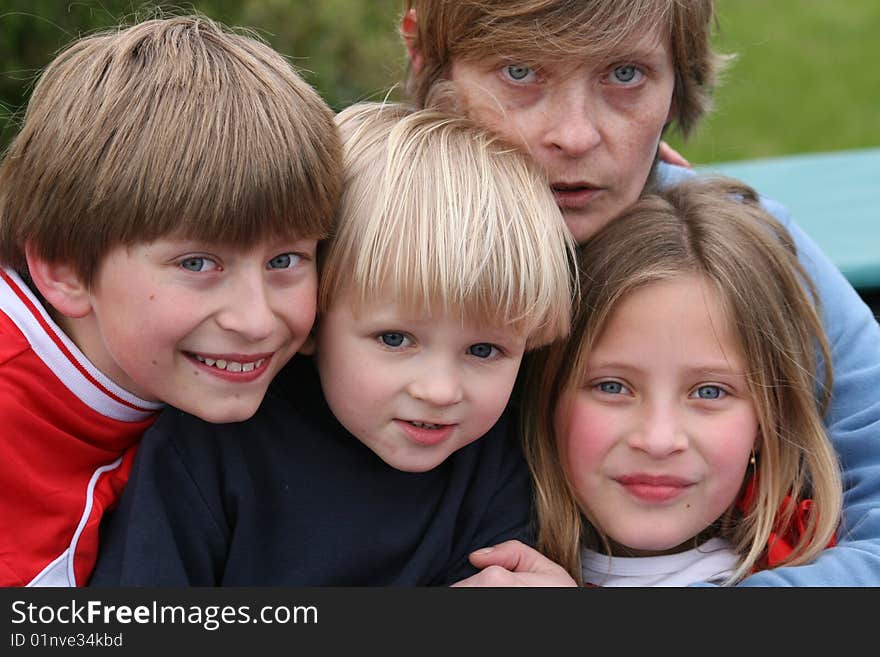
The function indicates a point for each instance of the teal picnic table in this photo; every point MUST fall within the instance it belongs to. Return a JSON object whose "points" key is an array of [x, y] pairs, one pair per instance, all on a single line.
{"points": [[834, 197]]}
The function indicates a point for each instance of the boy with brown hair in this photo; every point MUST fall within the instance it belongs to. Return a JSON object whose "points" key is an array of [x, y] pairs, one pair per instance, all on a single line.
{"points": [[159, 215], [588, 89]]}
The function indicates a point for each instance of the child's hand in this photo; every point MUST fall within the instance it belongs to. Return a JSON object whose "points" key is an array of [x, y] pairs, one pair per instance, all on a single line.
{"points": [[671, 156], [513, 563]]}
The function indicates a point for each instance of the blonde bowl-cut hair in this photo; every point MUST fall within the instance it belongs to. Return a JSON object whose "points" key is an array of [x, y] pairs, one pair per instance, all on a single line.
{"points": [[717, 230], [446, 218], [534, 31], [175, 126]]}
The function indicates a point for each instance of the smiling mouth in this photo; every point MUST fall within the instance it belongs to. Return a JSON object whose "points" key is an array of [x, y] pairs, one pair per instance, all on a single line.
{"points": [[656, 489], [229, 365]]}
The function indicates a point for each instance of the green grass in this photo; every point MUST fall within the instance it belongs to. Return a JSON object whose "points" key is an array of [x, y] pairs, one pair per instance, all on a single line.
{"points": [[806, 79], [807, 76]]}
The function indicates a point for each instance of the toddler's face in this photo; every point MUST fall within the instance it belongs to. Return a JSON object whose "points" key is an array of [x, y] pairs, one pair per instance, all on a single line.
{"points": [[414, 389], [199, 326], [657, 439]]}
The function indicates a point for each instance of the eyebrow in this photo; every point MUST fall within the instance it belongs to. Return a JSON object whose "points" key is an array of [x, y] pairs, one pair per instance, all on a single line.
{"points": [[651, 54]]}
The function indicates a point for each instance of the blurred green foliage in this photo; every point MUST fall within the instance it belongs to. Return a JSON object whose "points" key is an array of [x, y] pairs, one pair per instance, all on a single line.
{"points": [[348, 49], [806, 77]]}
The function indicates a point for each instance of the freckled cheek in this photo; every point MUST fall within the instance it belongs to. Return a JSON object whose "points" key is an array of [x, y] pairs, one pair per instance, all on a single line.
{"points": [[497, 120], [643, 128], [512, 120]]}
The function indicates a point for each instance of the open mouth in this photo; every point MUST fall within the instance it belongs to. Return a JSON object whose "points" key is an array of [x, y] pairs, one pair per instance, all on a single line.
{"points": [[426, 425], [573, 195], [572, 187], [427, 434]]}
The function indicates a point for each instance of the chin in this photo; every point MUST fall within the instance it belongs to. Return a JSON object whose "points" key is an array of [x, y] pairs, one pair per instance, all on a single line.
{"points": [[584, 226], [415, 465], [224, 414], [661, 545]]}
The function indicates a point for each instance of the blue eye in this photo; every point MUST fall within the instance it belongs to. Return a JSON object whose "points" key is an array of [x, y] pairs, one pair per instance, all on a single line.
{"points": [[283, 261], [517, 72], [709, 392], [198, 264], [482, 350], [611, 387], [392, 339], [626, 74]]}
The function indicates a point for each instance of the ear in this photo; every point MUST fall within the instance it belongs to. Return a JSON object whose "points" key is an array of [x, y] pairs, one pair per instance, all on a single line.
{"points": [[409, 30], [59, 284]]}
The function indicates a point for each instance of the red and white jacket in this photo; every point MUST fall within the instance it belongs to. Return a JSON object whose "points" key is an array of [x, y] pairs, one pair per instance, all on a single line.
{"points": [[68, 435]]}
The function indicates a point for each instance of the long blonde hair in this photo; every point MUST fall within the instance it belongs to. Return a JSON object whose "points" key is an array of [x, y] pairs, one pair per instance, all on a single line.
{"points": [[717, 230]]}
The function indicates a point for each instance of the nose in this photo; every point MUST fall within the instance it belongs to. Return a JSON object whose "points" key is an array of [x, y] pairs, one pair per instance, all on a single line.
{"points": [[246, 308], [571, 119], [660, 431], [438, 385]]}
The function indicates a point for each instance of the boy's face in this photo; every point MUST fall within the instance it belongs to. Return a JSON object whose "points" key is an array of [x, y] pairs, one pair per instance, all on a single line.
{"points": [[414, 389], [593, 126], [201, 327]]}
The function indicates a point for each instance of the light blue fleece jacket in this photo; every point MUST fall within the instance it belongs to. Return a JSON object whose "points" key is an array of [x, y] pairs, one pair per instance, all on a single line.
{"points": [[853, 421]]}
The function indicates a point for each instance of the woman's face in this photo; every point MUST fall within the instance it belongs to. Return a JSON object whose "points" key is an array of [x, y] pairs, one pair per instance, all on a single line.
{"points": [[594, 128]]}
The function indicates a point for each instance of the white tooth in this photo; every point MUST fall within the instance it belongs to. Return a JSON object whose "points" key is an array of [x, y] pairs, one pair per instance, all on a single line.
{"points": [[247, 367], [233, 367], [199, 358], [259, 362], [208, 361], [221, 364]]}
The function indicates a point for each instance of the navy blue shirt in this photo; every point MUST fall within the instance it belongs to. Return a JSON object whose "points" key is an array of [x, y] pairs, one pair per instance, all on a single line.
{"points": [[290, 498]]}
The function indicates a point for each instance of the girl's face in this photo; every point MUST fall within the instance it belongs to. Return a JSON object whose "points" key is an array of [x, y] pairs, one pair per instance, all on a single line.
{"points": [[657, 438]]}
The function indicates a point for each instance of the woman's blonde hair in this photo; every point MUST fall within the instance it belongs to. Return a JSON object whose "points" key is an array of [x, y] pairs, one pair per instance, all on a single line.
{"points": [[534, 31], [715, 229], [445, 217], [172, 126]]}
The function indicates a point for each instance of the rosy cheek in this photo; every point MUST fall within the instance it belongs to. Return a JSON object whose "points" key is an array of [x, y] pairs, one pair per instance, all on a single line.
{"points": [[729, 458], [579, 441]]}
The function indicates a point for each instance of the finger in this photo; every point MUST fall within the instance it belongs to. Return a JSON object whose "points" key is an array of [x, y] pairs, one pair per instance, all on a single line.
{"points": [[672, 156], [491, 576], [467, 582], [513, 556]]}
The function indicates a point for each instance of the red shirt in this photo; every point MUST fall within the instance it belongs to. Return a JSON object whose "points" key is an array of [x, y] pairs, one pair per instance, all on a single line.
{"points": [[67, 440]]}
